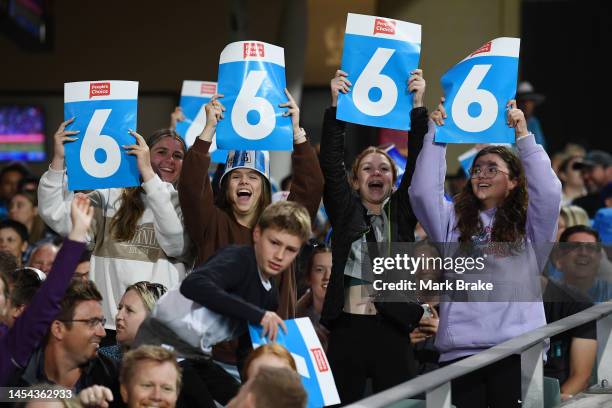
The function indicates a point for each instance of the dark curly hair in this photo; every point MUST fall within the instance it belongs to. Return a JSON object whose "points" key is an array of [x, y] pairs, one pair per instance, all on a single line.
{"points": [[511, 215]]}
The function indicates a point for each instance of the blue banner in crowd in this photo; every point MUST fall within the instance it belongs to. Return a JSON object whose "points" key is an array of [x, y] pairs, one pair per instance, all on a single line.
{"points": [[477, 91], [252, 80], [378, 56], [194, 97], [104, 111], [302, 342]]}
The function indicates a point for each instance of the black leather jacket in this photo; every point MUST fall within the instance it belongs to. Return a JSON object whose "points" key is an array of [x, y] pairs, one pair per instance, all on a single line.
{"points": [[347, 214]]}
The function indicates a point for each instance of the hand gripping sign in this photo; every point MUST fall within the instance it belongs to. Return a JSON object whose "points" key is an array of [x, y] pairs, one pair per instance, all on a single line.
{"points": [[302, 342], [194, 97], [379, 54], [104, 111], [477, 91], [252, 80]]}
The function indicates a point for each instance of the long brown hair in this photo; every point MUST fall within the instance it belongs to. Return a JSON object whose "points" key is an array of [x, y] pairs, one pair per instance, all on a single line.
{"points": [[123, 224], [224, 202], [511, 215]]}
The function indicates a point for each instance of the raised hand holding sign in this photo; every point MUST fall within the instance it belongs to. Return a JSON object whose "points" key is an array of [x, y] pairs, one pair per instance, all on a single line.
{"points": [[102, 112], [194, 97], [379, 55], [477, 90], [252, 80]]}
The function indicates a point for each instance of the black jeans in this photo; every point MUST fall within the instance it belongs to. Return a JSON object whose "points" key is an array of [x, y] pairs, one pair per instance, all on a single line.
{"points": [[362, 347], [496, 386]]}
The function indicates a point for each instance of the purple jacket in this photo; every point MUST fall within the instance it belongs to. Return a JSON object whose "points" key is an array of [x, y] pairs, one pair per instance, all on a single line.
{"points": [[468, 328], [24, 337]]}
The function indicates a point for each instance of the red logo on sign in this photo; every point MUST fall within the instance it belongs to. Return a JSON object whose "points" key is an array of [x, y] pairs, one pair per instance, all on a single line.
{"points": [[253, 49], [208, 89], [484, 48], [382, 26], [319, 356], [99, 89]]}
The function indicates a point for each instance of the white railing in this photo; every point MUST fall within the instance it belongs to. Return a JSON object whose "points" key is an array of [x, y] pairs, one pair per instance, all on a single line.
{"points": [[530, 346]]}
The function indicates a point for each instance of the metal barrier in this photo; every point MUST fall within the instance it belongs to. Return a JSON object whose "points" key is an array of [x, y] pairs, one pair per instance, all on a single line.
{"points": [[437, 384]]}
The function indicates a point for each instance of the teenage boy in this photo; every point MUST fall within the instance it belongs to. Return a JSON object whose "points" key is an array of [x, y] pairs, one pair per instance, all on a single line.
{"points": [[235, 286], [238, 281]]}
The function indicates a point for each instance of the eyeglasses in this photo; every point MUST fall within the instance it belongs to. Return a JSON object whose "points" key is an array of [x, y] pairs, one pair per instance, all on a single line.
{"points": [[585, 247], [92, 323], [489, 172]]}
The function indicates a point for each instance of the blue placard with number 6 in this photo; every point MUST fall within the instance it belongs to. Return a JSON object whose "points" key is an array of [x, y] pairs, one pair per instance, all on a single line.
{"points": [[477, 91], [252, 80], [194, 97], [104, 111], [378, 56]]}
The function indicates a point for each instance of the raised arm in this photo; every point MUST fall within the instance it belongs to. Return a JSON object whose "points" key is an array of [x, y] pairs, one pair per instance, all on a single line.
{"points": [[195, 191], [307, 182], [543, 186], [427, 185], [30, 328], [418, 126], [162, 198], [337, 191]]}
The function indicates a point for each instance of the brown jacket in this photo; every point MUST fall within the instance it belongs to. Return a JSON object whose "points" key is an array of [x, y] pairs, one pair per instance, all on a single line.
{"points": [[211, 228]]}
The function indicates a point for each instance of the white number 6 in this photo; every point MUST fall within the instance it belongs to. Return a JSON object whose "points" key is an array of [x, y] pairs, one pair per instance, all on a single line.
{"points": [[246, 101], [372, 78], [93, 141], [469, 93]]}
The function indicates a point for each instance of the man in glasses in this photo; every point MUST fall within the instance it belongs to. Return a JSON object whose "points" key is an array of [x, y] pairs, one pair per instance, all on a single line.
{"points": [[578, 258], [70, 356]]}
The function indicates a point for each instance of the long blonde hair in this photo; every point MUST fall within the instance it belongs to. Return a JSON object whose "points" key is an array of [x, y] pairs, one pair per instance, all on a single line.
{"points": [[125, 220]]}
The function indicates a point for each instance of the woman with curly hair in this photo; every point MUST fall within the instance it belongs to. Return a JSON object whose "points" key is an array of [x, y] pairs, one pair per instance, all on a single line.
{"points": [[137, 233], [496, 206]]}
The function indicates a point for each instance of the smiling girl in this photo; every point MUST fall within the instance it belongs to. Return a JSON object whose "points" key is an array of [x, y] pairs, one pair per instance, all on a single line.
{"points": [[497, 205], [362, 343], [137, 233]]}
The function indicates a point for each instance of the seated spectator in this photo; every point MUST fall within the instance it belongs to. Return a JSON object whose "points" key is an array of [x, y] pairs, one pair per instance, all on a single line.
{"points": [[569, 216], [268, 355], [318, 271], [14, 239], [23, 207], [579, 260], [596, 171], [149, 377], [272, 387], [135, 305], [572, 185], [42, 257], [70, 355], [82, 270], [31, 325], [10, 176], [571, 355]]}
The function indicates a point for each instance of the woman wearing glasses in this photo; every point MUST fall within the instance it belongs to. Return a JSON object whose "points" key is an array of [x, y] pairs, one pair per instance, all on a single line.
{"points": [[135, 305], [497, 205]]}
